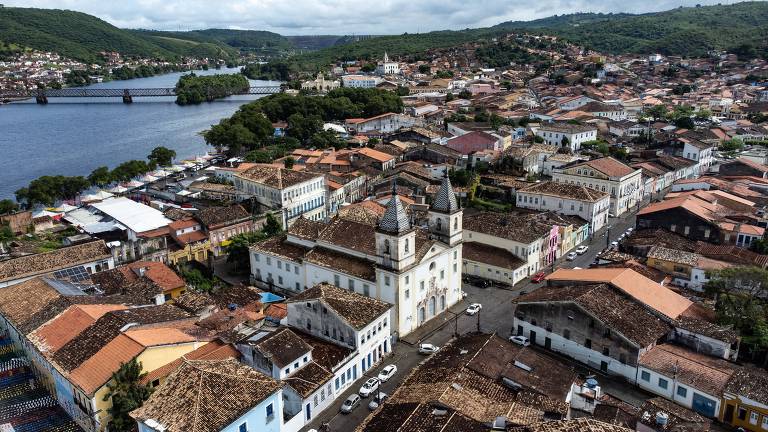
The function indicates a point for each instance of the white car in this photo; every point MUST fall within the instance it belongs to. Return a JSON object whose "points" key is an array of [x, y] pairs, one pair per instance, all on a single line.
{"points": [[520, 340], [369, 387], [387, 373], [614, 244], [581, 249], [428, 349], [474, 308], [571, 256]]}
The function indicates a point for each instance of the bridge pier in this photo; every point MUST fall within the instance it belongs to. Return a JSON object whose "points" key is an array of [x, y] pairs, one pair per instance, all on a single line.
{"points": [[127, 99], [41, 99]]}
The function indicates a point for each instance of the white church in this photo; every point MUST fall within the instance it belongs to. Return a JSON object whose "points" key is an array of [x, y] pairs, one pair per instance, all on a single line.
{"points": [[388, 67], [415, 269]]}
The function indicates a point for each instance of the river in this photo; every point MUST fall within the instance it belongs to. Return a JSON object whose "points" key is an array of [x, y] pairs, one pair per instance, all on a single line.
{"points": [[72, 136]]}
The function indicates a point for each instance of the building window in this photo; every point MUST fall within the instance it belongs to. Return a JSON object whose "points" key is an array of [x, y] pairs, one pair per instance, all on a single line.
{"points": [[645, 376], [406, 246], [588, 343], [567, 334], [407, 294], [337, 280], [421, 286], [270, 412], [606, 351], [753, 417], [243, 427], [386, 280], [742, 414], [351, 284], [442, 274], [682, 391], [663, 383], [366, 290]]}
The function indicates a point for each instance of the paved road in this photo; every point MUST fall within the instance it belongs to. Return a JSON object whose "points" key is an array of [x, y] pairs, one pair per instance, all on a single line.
{"points": [[494, 317]]}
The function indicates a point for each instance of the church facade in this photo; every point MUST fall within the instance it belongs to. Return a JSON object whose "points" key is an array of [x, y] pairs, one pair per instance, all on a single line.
{"points": [[415, 269]]}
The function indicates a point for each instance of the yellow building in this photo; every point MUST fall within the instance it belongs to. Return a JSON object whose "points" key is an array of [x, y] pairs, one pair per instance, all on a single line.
{"points": [[152, 348], [745, 400], [678, 264], [190, 242]]}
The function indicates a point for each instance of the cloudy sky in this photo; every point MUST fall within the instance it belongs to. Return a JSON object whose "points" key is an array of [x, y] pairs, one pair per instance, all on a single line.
{"points": [[297, 17]]}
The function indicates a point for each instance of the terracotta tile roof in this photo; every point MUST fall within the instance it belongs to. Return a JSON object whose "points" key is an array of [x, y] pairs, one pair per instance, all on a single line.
{"points": [[276, 311], [494, 256], [375, 154], [194, 302], [207, 396], [681, 419], [327, 354], [705, 373], [608, 166], [619, 313], [358, 310], [692, 204], [633, 284], [523, 230], [749, 382], [159, 273], [86, 344], [566, 190], [275, 177], [220, 216], [19, 303], [674, 256], [351, 235], [306, 229], [183, 223], [159, 336], [280, 247], [308, 379], [54, 334], [750, 163], [192, 237], [214, 350], [37, 264], [282, 347], [574, 425], [349, 264], [98, 369], [732, 254], [464, 378]]}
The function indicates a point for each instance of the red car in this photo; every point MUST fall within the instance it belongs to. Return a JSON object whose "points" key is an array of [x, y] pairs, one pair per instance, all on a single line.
{"points": [[538, 277]]}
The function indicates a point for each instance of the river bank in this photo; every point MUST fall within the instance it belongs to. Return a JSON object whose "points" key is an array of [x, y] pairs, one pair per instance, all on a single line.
{"points": [[75, 136]]}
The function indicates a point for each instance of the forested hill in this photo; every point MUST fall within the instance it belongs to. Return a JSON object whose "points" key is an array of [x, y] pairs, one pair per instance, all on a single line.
{"points": [[82, 36], [690, 31]]}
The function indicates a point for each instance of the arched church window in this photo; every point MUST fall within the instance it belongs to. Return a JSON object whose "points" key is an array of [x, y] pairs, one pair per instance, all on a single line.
{"points": [[386, 246], [406, 245]]}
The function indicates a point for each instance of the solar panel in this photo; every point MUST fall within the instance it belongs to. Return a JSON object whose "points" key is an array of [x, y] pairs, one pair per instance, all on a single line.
{"points": [[74, 274]]}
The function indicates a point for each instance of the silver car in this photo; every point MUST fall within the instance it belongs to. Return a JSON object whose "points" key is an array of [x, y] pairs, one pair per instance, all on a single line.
{"points": [[351, 403]]}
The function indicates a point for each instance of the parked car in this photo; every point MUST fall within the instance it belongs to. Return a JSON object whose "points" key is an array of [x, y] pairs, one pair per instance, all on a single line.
{"points": [[463, 295], [351, 403], [538, 277], [387, 373], [428, 349], [474, 308], [520, 340], [614, 244], [611, 215], [581, 249], [369, 387], [378, 399], [571, 256]]}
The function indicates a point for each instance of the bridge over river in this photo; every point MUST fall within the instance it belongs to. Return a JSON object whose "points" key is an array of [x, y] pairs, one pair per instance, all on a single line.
{"points": [[42, 95]]}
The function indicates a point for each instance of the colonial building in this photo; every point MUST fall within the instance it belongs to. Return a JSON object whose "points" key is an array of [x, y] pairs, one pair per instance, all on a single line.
{"points": [[320, 84], [568, 199], [295, 193], [415, 269], [567, 135], [605, 175]]}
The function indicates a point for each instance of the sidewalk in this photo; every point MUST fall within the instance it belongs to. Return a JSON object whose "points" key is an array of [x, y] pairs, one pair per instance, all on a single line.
{"points": [[435, 324]]}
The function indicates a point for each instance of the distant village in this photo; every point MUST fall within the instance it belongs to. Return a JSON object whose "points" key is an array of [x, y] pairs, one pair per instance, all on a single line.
{"points": [[576, 248]]}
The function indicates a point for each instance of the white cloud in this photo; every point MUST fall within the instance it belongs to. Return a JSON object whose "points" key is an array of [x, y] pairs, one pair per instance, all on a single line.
{"points": [[297, 17]]}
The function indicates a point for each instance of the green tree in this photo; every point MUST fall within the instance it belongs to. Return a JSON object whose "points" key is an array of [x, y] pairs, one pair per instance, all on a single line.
{"points": [[162, 156], [465, 94], [565, 141], [7, 206], [101, 176], [657, 112], [196, 279], [741, 294], [272, 226], [127, 394], [289, 162], [731, 145], [425, 68]]}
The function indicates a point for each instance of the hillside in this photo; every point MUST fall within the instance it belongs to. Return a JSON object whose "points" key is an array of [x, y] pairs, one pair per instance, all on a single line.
{"points": [[234, 41], [691, 31], [72, 34]]}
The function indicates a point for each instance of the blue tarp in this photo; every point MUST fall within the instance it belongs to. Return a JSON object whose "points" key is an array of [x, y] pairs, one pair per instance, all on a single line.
{"points": [[268, 297]]}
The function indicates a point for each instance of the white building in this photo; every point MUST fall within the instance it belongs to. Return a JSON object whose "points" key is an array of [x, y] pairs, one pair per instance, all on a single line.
{"points": [[605, 175], [388, 67], [353, 331], [417, 270], [382, 123], [567, 199], [558, 133], [296, 193], [360, 81], [700, 152]]}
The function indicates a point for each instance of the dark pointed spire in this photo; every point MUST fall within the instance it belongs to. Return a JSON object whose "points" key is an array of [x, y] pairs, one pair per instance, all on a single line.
{"points": [[445, 200], [395, 219]]}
